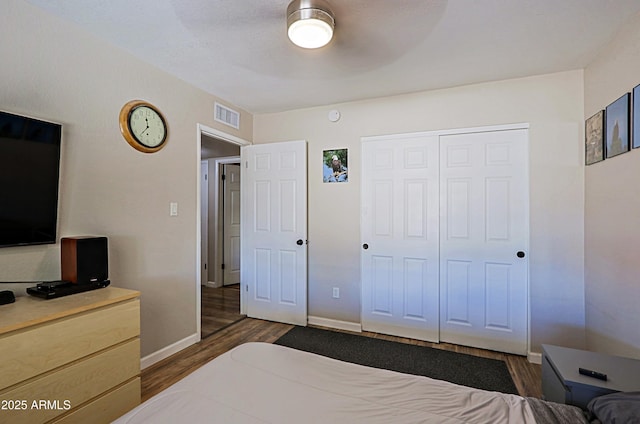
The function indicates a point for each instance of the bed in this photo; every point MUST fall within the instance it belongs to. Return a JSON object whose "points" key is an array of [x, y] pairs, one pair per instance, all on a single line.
{"points": [[267, 383]]}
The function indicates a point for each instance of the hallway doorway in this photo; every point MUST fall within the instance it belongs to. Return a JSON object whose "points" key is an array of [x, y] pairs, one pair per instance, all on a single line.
{"points": [[219, 290]]}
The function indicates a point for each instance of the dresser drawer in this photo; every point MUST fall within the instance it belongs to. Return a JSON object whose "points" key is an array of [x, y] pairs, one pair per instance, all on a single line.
{"points": [[107, 408], [71, 386], [36, 350]]}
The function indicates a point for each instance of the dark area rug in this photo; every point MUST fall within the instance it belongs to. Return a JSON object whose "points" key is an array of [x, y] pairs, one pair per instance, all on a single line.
{"points": [[459, 368]]}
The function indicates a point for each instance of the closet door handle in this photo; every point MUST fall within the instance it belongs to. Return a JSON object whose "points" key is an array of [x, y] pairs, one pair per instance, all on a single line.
{"points": [[299, 242], [520, 254], [365, 246]]}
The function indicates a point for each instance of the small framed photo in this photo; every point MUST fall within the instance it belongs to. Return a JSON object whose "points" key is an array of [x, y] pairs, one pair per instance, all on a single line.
{"points": [[594, 139], [334, 166], [635, 121], [617, 127]]}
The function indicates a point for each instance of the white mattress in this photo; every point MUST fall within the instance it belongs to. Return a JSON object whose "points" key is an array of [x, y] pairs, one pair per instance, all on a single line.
{"points": [[266, 383]]}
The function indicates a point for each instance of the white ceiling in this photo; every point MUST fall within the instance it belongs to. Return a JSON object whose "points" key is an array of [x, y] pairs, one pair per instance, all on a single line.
{"points": [[238, 49]]}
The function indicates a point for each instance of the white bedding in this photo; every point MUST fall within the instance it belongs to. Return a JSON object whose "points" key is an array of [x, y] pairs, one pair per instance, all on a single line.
{"points": [[266, 383]]}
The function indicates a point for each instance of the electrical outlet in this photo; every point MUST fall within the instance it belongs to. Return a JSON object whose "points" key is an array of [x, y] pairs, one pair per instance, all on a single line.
{"points": [[336, 292]]}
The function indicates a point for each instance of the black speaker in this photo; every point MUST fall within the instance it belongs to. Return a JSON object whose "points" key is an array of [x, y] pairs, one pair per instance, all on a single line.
{"points": [[84, 259], [6, 297]]}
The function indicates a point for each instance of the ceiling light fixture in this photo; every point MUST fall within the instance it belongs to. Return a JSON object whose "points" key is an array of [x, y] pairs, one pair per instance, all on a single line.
{"points": [[310, 23]]}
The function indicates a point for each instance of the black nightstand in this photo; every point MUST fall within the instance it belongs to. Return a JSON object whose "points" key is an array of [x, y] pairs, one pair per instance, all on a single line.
{"points": [[562, 383]]}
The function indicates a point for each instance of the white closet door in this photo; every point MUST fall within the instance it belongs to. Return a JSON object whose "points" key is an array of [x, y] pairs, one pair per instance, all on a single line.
{"points": [[484, 231], [399, 230], [274, 231]]}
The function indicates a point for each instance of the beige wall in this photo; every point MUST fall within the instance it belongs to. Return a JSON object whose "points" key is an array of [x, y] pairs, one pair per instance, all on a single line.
{"points": [[54, 71], [551, 104], [612, 231]]}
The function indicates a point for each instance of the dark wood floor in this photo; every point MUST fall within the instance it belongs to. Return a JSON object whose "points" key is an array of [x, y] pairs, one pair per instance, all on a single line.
{"points": [[220, 308], [163, 374], [526, 376]]}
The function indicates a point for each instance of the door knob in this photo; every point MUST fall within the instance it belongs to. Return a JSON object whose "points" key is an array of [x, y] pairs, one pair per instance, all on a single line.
{"points": [[520, 254], [365, 246], [299, 242]]}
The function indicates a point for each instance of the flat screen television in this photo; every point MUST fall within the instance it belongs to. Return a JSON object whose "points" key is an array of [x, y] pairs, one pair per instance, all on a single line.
{"points": [[29, 178]]}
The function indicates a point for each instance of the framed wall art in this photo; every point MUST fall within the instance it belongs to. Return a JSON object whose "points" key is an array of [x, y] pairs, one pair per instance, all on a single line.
{"points": [[594, 139], [617, 126], [334, 166], [635, 121]]}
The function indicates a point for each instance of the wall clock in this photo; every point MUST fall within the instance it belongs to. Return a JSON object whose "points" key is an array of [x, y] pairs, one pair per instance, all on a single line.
{"points": [[143, 126]]}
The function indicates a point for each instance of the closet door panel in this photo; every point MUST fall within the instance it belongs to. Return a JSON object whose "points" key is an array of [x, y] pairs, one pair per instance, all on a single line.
{"points": [[399, 229], [484, 200]]}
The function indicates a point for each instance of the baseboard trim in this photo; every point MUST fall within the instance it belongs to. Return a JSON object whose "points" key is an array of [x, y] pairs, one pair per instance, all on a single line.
{"points": [[165, 352], [535, 357], [334, 323]]}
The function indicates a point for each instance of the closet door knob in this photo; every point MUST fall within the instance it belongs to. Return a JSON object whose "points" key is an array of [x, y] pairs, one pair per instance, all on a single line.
{"points": [[520, 254], [299, 242], [365, 246]]}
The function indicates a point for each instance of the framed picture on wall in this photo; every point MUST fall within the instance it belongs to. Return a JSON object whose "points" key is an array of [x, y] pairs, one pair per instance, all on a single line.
{"points": [[617, 127], [594, 138], [334, 166], [635, 121]]}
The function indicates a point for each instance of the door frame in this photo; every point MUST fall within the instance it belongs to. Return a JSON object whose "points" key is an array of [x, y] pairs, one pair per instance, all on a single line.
{"points": [[201, 130]]}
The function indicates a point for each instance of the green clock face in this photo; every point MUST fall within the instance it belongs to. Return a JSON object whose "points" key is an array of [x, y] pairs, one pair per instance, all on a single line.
{"points": [[147, 126]]}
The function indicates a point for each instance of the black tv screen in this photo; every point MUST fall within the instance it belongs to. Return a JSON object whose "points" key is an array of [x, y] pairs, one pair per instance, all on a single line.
{"points": [[29, 176]]}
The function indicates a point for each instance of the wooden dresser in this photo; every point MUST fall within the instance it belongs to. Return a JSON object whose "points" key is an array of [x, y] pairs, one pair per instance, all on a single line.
{"points": [[74, 359]]}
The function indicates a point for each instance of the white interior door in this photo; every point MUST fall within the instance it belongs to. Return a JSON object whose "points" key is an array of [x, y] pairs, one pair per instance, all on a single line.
{"points": [[274, 231], [399, 230], [231, 230], [484, 231], [204, 222]]}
